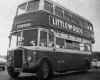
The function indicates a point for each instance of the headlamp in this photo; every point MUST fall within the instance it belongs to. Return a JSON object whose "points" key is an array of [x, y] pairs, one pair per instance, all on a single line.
{"points": [[29, 58]]}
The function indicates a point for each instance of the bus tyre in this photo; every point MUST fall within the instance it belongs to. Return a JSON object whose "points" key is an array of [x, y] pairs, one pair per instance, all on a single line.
{"points": [[86, 66], [12, 73], [45, 70]]}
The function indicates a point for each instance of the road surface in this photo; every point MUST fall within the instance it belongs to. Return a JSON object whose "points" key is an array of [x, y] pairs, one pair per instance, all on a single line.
{"points": [[91, 75]]}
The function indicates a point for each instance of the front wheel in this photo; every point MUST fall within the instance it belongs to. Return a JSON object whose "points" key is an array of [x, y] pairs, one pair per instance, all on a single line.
{"points": [[12, 73], [45, 71]]}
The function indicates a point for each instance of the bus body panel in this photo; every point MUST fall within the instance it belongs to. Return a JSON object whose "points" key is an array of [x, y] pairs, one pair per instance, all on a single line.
{"points": [[60, 61], [64, 60], [42, 19]]}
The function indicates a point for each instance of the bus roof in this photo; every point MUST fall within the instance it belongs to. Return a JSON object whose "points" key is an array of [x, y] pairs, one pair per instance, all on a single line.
{"points": [[64, 8]]}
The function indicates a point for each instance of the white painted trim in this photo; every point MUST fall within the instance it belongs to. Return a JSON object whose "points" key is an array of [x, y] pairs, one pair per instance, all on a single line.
{"points": [[40, 48], [66, 51], [72, 51]]}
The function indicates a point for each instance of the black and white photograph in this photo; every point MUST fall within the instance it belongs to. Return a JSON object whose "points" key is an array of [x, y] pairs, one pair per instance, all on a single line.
{"points": [[49, 40]]}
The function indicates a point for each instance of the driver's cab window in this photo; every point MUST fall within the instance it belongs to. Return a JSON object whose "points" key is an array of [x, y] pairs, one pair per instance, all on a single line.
{"points": [[15, 39], [30, 37], [43, 39]]}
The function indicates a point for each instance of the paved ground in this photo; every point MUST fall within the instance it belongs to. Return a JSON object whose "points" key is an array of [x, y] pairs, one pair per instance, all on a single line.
{"points": [[91, 75]]}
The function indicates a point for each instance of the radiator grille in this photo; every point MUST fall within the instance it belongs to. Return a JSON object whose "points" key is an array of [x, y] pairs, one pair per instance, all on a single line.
{"points": [[18, 58]]}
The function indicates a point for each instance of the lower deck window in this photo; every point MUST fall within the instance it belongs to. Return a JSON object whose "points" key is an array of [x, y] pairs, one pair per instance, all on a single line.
{"points": [[33, 5], [82, 48], [87, 47], [51, 40], [60, 43], [43, 38], [69, 44], [21, 9], [48, 6], [76, 46]]}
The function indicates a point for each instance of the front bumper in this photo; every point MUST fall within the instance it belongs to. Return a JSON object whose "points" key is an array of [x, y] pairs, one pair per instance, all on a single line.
{"points": [[26, 67]]}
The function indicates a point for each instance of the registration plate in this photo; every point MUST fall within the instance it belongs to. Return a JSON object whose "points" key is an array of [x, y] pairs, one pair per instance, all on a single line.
{"points": [[18, 69]]}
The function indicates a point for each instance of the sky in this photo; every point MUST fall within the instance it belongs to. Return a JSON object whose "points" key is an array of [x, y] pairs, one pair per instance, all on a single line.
{"points": [[90, 9]]}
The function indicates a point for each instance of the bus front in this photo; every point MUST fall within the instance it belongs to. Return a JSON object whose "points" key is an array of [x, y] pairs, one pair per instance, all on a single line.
{"points": [[23, 40]]}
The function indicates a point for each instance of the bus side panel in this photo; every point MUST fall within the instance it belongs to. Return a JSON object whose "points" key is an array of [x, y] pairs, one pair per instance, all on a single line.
{"points": [[64, 61], [57, 59]]}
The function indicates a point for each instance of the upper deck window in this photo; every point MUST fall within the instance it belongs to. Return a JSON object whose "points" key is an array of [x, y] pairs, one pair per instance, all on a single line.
{"points": [[82, 47], [91, 28], [76, 45], [86, 25], [67, 15], [21, 9], [87, 47], [74, 19], [51, 40], [48, 6], [33, 5], [80, 22], [59, 11]]}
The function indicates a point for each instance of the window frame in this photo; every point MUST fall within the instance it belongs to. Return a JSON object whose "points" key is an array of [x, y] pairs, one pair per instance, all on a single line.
{"points": [[86, 47], [80, 22], [17, 44], [69, 42], [82, 46], [75, 45], [18, 8], [73, 20], [31, 29], [86, 25], [32, 10], [46, 38], [67, 17], [56, 45], [61, 11], [91, 27], [51, 6]]}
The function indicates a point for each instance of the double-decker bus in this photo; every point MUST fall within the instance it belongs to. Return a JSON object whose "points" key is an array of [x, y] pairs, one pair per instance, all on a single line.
{"points": [[47, 38]]}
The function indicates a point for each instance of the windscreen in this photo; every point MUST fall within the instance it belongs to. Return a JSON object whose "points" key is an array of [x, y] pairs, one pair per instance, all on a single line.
{"points": [[15, 39], [32, 5], [21, 9], [30, 37]]}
